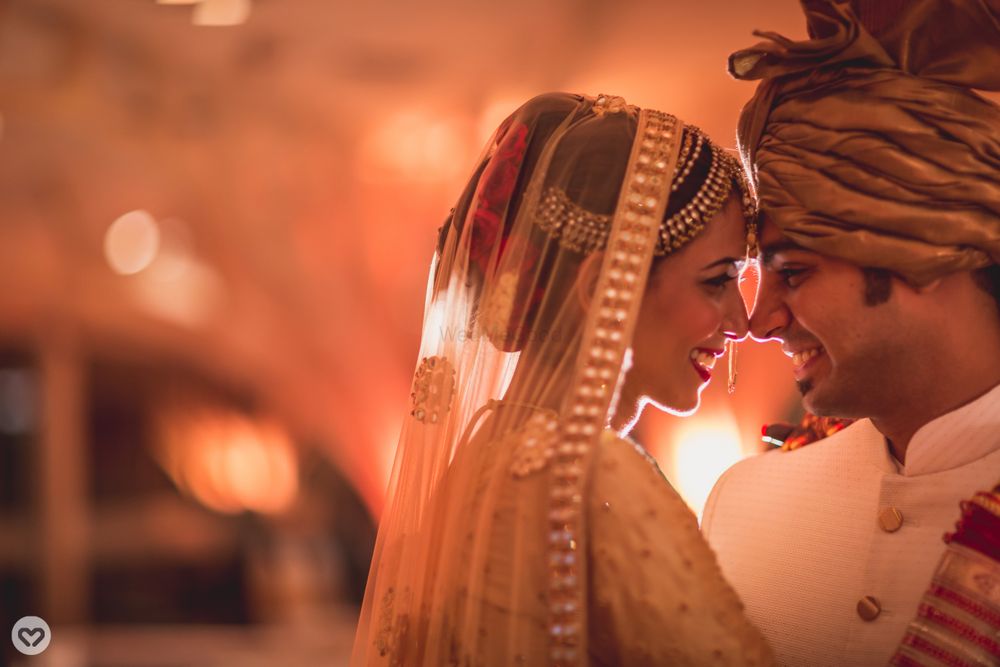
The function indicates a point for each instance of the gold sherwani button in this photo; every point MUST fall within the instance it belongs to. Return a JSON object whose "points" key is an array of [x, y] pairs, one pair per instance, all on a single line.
{"points": [[869, 608], [891, 519]]}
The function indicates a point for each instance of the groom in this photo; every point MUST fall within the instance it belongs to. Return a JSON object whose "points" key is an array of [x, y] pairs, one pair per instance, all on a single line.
{"points": [[878, 174]]}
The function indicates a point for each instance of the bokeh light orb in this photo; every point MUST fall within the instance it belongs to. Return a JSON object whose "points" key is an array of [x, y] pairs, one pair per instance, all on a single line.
{"points": [[131, 242]]}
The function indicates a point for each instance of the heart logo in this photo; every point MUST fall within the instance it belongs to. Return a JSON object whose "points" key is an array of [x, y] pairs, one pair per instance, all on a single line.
{"points": [[26, 635], [31, 635]]}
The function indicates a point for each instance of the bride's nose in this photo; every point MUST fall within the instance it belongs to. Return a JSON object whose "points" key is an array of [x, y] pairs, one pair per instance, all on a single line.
{"points": [[735, 321]]}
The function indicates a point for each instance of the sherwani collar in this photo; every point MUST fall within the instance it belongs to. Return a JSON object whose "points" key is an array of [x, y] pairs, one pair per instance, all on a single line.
{"points": [[957, 438]]}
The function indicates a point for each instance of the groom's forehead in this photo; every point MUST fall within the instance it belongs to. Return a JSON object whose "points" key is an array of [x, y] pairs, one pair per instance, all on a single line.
{"points": [[769, 232], [774, 241]]}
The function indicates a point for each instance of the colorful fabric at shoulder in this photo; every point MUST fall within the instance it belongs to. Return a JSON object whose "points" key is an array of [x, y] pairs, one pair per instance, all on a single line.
{"points": [[958, 620], [806, 432]]}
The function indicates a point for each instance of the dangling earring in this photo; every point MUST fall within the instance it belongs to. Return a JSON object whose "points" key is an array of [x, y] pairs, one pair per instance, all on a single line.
{"points": [[731, 345]]}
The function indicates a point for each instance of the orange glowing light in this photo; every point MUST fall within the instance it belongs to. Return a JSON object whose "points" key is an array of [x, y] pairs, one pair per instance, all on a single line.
{"points": [[419, 146], [221, 12], [495, 112], [131, 242], [229, 462], [704, 447], [178, 285]]}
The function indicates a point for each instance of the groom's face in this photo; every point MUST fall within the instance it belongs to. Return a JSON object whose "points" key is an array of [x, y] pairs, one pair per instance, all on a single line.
{"points": [[847, 349]]}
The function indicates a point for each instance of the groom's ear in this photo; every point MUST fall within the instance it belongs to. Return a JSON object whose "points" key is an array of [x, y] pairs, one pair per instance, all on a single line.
{"points": [[586, 279]]}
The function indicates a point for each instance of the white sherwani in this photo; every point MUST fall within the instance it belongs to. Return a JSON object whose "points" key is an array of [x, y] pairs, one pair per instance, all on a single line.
{"points": [[804, 536]]}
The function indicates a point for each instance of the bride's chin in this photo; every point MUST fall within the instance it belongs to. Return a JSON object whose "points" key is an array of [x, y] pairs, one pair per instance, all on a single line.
{"points": [[688, 407], [678, 406], [686, 411]]}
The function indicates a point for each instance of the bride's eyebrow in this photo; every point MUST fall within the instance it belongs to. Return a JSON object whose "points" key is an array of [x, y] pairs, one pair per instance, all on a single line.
{"points": [[720, 262]]}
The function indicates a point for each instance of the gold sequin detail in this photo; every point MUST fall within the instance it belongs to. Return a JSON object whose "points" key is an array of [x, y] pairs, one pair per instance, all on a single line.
{"points": [[392, 630], [433, 389], [533, 444], [576, 228], [630, 245], [609, 104], [498, 306]]}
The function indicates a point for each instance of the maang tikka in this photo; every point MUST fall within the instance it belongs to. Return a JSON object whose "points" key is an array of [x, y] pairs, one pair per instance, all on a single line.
{"points": [[731, 349]]}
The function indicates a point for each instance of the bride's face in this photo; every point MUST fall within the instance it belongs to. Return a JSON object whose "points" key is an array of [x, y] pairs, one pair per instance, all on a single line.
{"points": [[691, 306]]}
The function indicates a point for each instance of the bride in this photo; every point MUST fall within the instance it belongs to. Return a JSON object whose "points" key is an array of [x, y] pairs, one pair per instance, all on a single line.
{"points": [[588, 268]]}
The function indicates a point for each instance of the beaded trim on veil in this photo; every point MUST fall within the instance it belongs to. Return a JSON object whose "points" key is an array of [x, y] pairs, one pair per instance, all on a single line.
{"points": [[631, 242]]}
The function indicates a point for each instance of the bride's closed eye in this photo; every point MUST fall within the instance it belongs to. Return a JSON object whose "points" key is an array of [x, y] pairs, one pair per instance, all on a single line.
{"points": [[719, 281]]}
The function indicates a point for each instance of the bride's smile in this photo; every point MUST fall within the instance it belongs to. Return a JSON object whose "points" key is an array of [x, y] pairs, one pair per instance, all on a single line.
{"points": [[691, 307]]}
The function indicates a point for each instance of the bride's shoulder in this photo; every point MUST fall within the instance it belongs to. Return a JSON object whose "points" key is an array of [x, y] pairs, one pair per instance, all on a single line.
{"points": [[623, 469], [615, 448]]}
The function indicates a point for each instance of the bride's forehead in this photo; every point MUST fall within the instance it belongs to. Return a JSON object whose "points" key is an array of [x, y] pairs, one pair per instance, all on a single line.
{"points": [[727, 227]]}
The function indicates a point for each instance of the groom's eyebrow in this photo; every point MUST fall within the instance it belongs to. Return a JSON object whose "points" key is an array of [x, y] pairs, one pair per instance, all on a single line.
{"points": [[769, 251]]}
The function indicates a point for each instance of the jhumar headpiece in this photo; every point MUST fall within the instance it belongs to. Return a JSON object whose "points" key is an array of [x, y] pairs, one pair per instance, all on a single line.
{"points": [[584, 231]]}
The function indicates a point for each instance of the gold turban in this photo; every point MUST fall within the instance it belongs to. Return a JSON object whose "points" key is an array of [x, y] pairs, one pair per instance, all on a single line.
{"points": [[866, 143]]}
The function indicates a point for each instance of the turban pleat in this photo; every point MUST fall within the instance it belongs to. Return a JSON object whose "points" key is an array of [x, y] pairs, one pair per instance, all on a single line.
{"points": [[855, 157]]}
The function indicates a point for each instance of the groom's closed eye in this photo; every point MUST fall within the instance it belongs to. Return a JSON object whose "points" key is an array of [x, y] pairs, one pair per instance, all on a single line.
{"points": [[769, 253]]}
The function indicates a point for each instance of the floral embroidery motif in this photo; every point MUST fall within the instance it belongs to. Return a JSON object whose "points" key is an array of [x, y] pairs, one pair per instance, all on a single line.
{"points": [[383, 640], [393, 630], [811, 429], [496, 185], [433, 389], [494, 317], [535, 442], [609, 104], [987, 585]]}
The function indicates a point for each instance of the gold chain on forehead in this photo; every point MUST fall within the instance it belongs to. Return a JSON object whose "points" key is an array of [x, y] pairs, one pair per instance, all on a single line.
{"points": [[583, 231]]}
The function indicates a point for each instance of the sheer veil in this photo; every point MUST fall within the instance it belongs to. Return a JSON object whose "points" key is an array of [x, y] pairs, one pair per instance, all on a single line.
{"points": [[531, 303]]}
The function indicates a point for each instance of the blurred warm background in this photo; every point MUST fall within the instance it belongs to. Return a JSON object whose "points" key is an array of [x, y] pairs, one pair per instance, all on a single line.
{"points": [[216, 220]]}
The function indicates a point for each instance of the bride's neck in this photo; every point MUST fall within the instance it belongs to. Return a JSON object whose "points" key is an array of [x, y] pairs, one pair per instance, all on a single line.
{"points": [[542, 386], [627, 411]]}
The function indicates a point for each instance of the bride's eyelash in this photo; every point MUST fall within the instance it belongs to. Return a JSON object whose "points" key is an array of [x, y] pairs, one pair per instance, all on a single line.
{"points": [[720, 280], [732, 273]]}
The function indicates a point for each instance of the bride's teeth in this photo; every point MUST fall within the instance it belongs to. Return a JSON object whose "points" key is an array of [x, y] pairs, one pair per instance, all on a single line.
{"points": [[704, 359]]}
